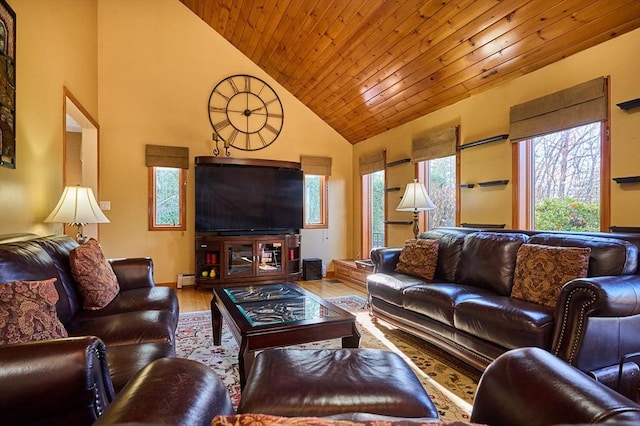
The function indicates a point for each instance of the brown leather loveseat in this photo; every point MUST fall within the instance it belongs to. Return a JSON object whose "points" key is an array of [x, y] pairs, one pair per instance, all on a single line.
{"points": [[467, 309], [137, 326]]}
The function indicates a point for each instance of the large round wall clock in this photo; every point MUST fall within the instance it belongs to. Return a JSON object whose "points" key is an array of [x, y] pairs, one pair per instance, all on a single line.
{"points": [[245, 112]]}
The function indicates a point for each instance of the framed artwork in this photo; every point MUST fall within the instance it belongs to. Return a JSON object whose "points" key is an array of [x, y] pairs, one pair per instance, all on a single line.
{"points": [[7, 86]]}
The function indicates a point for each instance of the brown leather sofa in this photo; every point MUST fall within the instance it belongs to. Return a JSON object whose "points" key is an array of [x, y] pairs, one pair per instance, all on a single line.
{"points": [[467, 309], [138, 326]]}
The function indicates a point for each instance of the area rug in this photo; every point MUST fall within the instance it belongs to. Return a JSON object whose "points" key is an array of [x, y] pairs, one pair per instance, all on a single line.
{"points": [[449, 384]]}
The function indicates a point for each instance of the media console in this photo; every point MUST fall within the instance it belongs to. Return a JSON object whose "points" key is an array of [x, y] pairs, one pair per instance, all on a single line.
{"points": [[248, 219], [235, 260]]}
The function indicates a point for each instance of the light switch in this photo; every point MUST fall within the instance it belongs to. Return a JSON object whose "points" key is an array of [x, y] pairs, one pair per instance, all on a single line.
{"points": [[105, 205]]}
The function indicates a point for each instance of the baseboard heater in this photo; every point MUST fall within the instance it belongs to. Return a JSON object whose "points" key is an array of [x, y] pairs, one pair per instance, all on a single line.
{"points": [[185, 280]]}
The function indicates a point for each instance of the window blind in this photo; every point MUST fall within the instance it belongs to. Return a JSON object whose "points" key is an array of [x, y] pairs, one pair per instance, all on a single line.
{"points": [[167, 156], [372, 162], [575, 106], [434, 145], [320, 166]]}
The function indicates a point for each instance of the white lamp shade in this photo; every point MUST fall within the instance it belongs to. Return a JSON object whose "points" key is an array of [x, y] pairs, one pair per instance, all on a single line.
{"points": [[77, 206], [415, 198]]}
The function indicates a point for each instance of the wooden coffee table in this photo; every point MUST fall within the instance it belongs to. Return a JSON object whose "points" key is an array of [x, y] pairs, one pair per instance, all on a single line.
{"points": [[276, 315]]}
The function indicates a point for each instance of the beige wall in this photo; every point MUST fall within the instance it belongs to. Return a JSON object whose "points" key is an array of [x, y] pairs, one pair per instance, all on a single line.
{"points": [[56, 46], [158, 65], [487, 114]]}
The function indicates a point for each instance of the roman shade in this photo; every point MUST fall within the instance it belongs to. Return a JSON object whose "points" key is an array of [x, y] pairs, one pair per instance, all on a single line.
{"points": [[575, 106], [434, 145], [372, 162], [167, 156], [319, 166]]}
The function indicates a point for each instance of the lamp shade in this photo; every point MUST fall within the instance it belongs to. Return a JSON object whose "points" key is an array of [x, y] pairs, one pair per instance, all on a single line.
{"points": [[415, 198], [77, 206]]}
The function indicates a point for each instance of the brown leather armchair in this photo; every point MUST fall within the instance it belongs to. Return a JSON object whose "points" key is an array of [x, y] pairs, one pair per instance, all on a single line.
{"points": [[67, 382]]}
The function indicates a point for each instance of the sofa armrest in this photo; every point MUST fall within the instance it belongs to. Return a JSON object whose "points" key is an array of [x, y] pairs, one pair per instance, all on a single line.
{"points": [[598, 307], [61, 381], [171, 391], [385, 258], [135, 272], [529, 386]]}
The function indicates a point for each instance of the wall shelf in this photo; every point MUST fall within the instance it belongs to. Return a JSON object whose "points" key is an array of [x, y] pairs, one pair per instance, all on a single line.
{"points": [[494, 183], [626, 106], [628, 179], [484, 225], [483, 141], [398, 162], [392, 189], [628, 229], [467, 185]]}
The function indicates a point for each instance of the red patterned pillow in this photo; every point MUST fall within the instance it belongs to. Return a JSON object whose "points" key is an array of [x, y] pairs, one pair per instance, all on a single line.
{"points": [[542, 270], [419, 258], [96, 280], [28, 312]]}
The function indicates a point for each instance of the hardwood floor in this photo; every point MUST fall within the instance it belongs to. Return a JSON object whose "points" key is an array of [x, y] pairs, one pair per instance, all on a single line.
{"points": [[192, 300]]}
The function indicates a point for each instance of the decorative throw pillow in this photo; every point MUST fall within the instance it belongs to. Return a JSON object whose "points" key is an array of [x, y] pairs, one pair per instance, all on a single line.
{"points": [[96, 280], [28, 312], [542, 270], [419, 258], [256, 419]]}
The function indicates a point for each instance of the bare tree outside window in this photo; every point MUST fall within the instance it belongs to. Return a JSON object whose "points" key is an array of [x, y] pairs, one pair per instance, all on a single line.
{"points": [[566, 176], [442, 190]]}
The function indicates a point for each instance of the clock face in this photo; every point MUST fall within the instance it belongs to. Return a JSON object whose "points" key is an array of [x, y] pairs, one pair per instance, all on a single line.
{"points": [[245, 112]]}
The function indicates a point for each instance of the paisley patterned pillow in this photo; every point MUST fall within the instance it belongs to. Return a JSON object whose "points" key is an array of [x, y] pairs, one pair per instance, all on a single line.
{"points": [[419, 258], [28, 312], [542, 270], [96, 280]]}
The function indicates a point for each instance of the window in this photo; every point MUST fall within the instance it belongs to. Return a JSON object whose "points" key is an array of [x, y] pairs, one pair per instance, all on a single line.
{"points": [[315, 201], [373, 211], [167, 201], [561, 179], [439, 177]]}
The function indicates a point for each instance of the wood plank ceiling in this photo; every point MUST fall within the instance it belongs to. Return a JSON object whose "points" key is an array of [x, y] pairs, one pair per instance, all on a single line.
{"points": [[366, 66]]}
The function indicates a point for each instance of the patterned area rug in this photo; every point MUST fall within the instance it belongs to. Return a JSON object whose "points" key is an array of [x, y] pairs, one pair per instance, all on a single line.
{"points": [[450, 384]]}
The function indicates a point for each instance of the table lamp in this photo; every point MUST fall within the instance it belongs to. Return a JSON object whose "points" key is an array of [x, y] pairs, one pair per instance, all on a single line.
{"points": [[415, 199], [77, 207]]}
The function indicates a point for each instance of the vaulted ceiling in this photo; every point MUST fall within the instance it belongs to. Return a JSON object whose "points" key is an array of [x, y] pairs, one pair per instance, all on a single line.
{"points": [[366, 66]]}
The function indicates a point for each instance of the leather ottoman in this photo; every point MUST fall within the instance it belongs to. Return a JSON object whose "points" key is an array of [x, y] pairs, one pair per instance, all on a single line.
{"points": [[327, 382]]}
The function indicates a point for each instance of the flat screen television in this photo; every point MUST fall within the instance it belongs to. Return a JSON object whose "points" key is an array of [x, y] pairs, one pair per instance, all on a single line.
{"points": [[244, 199]]}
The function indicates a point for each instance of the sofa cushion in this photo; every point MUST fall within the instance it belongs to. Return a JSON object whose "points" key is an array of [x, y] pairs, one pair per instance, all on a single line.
{"points": [[390, 286], [449, 251], [419, 258], [609, 256], [509, 323], [126, 360], [95, 277], [489, 259], [28, 312], [438, 300], [542, 270], [126, 328]]}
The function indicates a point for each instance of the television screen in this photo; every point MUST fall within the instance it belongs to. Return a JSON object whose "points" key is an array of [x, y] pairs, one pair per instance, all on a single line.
{"points": [[245, 199]]}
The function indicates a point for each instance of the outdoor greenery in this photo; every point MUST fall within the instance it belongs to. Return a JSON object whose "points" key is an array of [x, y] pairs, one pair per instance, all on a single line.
{"points": [[567, 214], [313, 204], [377, 209], [167, 196], [442, 190], [567, 179]]}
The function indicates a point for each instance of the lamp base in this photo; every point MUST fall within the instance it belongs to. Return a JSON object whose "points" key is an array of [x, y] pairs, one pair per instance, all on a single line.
{"points": [[416, 229]]}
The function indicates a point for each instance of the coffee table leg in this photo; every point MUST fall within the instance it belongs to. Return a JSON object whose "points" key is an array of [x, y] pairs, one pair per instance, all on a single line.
{"points": [[245, 361], [216, 322], [352, 341]]}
